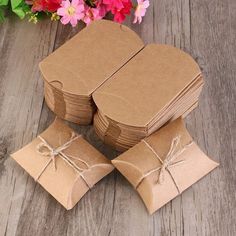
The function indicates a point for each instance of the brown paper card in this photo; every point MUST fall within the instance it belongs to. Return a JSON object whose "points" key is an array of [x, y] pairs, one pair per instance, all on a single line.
{"points": [[87, 60], [80, 66], [65, 184], [188, 167], [139, 98], [139, 88]]}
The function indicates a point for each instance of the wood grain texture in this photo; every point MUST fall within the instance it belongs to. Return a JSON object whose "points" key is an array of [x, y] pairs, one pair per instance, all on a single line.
{"points": [[204, 28]]}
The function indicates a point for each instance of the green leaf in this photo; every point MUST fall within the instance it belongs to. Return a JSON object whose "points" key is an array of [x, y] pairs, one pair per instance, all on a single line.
{"points": [[4, 2], [19, 7], [16, 3], [3, 6], [2, 18]]}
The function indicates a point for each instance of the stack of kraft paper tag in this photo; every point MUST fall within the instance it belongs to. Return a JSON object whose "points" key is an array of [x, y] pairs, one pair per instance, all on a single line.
{"points": [[159, 84], [136, 89], [75, 70]]}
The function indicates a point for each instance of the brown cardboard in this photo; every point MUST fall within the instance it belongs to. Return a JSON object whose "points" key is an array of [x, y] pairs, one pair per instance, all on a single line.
{"points": [[140, 98], [141, 84], [137, 89], [192, 165], [80, 114], [66, 184], [88, 59], [76, 69], [115, 136]]}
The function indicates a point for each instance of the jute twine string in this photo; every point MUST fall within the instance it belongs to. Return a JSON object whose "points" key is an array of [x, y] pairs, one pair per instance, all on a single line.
{"points": [[45, 149], [168, 162]]}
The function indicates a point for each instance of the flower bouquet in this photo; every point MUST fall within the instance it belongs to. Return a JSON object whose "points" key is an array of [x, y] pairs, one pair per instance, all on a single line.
{"points": [[72, 11]]}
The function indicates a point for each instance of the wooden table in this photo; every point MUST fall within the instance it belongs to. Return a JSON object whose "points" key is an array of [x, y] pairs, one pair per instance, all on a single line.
{"points": [[205, 29]]}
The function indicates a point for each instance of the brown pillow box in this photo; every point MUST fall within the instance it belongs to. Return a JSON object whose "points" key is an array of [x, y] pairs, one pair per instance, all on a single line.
{"points": [[64, 163], [136, 88], [163, 165], [161, 83], [76, 69]]}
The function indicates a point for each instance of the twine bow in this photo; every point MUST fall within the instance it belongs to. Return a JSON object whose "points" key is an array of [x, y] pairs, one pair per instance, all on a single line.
{"points": [[168, 162], [45, 149]]}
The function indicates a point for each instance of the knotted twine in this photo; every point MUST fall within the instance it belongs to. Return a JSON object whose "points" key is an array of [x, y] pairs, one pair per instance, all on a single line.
{"points": [[168, 162], [52, 153]]}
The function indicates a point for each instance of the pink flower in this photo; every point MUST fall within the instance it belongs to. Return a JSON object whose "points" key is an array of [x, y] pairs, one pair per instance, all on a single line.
{"points": [[101, 7], [111, 4], [120, 14], [140, 10], [71, 11], [119, 8], [91, 14]]}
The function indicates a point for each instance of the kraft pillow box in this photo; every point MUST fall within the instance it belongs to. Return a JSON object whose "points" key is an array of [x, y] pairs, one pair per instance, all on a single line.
{"points": [[76, 69], [159, 84], [136, 88], [163, 165], [64, 163]]}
